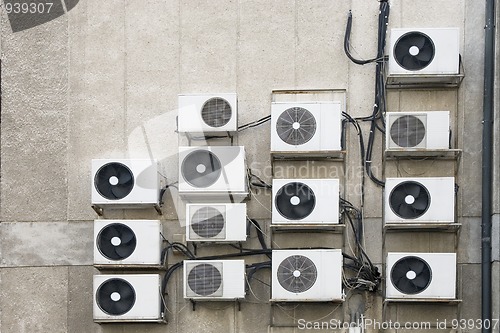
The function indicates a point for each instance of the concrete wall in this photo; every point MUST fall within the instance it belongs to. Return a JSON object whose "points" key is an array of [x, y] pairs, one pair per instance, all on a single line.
{"points": [[102, 82]]}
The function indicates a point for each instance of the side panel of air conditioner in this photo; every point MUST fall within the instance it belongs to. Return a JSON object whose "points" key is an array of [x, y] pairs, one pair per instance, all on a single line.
{"points": [[212, 172], [315, 278], [215, 280], [123, 243], [208, 113], [317, 129], [127, 298], [125, 182], [420, 200], [305, 201], [421, 275], [443, 60], [216, 222], [418, 130]]}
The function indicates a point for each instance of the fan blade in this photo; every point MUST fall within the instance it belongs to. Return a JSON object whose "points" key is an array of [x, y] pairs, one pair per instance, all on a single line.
{"points": [[418, 41], [408, 61], [123, 251], [412, 189], [421, 282], [107, 303], [127, 236], [406, 285], [425, 54], [397, 273], [421, 204], [126, 293], [120, 191], [417, 266], [405, 211], [110, 231], [124, 177], [397, 197], [106, 173]]}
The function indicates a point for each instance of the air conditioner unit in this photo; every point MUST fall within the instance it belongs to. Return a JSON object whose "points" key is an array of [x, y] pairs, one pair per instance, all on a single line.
{"points": [[215, 280], [420, 200], [306, 127], [421, 275], [216, 222], [208, 113], [297, 201], [127, 298], [125, 183], [127, 243], [418, 130], [422, 52], [307, 275], [212, 173]]}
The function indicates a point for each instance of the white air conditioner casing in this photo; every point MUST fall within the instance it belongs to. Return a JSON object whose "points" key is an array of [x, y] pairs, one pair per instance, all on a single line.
{"points": [[440, 285], [438, 194], [146, 304], [321, 281], [127, 243], [219, 222], [144, 186], [195, 114], [417, 130], [445, 58], [215, 280], [211, 173], [294, 204], [319, 130]]}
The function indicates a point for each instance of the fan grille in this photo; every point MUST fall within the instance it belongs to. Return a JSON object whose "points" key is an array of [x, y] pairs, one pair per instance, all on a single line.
{"points": [[114, 181], [115, 297], [411, 275], [201, 168], [297, 274], [296, 126], [408, 131], [216, 112], [409, 200], [116, 241], [208, 222], [414, 51], [295, 201], [205, 280]]}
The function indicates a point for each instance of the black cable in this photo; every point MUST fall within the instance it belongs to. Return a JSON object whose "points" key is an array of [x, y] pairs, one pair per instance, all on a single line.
{"points": [[254, 124], [347, 43]]}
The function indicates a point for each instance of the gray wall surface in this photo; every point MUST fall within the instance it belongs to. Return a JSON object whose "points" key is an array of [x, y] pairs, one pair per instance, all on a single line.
{"points": [[102, 82]]}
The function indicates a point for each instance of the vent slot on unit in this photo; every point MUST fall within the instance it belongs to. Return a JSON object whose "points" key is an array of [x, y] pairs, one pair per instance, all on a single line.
{"points": [[305, 201], [420, 200], [214, 279], [125, 183], [418, 131], [421, 275], [207, 113], [127, 243], [307, 275], [306, 128], [127, 298], [216, 222], [212, 173], [424, 56]]}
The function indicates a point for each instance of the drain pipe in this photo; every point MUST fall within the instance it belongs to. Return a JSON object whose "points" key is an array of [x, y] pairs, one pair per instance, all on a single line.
{"points": [[487, 165]]}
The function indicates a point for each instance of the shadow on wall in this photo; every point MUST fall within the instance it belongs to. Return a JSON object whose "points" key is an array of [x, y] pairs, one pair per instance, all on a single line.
{"points": [[26, 14]]}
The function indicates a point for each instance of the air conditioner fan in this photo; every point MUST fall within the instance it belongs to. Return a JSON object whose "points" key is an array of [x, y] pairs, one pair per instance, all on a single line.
{"points": [[115, 297], [414, 51], [409, 200], [114, 181], [411, 275]]}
